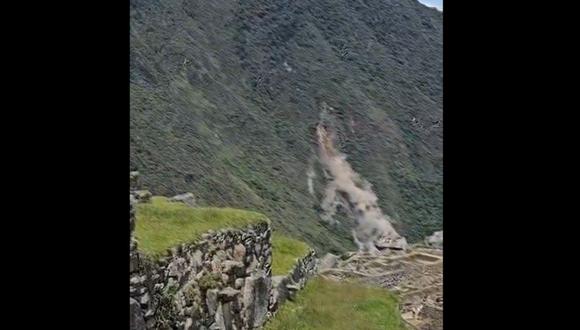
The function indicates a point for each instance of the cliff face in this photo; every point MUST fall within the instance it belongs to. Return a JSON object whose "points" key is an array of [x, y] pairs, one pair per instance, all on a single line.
{"points": [[226, 96]]}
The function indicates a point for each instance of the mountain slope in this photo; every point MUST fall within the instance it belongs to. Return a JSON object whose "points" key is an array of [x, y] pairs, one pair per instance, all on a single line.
{"points": [[226, 96]]}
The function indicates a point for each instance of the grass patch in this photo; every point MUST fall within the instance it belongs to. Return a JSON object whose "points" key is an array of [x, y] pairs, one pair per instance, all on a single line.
{"points": [[326, 304], [161, 224], [285, 252]]}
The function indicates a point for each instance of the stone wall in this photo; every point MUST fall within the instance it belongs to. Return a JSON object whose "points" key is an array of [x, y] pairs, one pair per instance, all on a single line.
{"points": [[284, 287], [223, 281]]}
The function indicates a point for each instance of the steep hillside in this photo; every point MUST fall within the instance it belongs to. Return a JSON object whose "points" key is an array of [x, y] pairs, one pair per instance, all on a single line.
{"points": [[226, 97]]}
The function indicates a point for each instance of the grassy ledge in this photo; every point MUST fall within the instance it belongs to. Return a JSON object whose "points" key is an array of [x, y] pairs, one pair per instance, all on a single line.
{"points": [[325, 304], [285, 252], [161, 224]]}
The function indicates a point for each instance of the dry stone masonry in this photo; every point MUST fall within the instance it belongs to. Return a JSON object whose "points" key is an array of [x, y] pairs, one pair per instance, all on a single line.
{"points": [[219, 282], [222, 281], [285, 287]]}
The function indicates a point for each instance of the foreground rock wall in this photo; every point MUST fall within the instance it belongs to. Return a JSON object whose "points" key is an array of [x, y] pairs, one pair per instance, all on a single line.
{"points": [[223, 281], [284, 287]]}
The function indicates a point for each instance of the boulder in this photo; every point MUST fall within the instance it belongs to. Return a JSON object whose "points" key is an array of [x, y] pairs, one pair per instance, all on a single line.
{"points": [[133, 179], [142, 196], [393, 243], [435, 240], [186, 198]]}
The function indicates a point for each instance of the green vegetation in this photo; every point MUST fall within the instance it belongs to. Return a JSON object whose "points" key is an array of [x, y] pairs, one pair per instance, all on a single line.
{"points": [[209, 281], [215, 111], [285, 252], [325, 304], [162, 224]]}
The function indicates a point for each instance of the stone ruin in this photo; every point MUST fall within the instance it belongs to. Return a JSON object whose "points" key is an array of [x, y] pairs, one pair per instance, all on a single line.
{"points": [[222, 281], [415, 275]]}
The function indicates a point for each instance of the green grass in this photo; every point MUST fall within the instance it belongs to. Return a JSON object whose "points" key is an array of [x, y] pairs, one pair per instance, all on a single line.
{"points": [[285, 252], [161, 224], [325, 304]]}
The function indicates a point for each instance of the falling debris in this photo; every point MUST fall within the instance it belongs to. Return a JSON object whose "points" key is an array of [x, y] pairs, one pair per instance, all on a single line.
{"points": [[310, 175], [373, 230], [435, 240], [287, 67], [186, 198]]}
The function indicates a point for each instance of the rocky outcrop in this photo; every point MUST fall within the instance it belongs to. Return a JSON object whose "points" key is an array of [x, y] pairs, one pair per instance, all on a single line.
{"points": [[187, 198], [285, 287], [136, 195], [435, 241], [142, 196], [134, 180], [223, 281], [398, 243]]}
